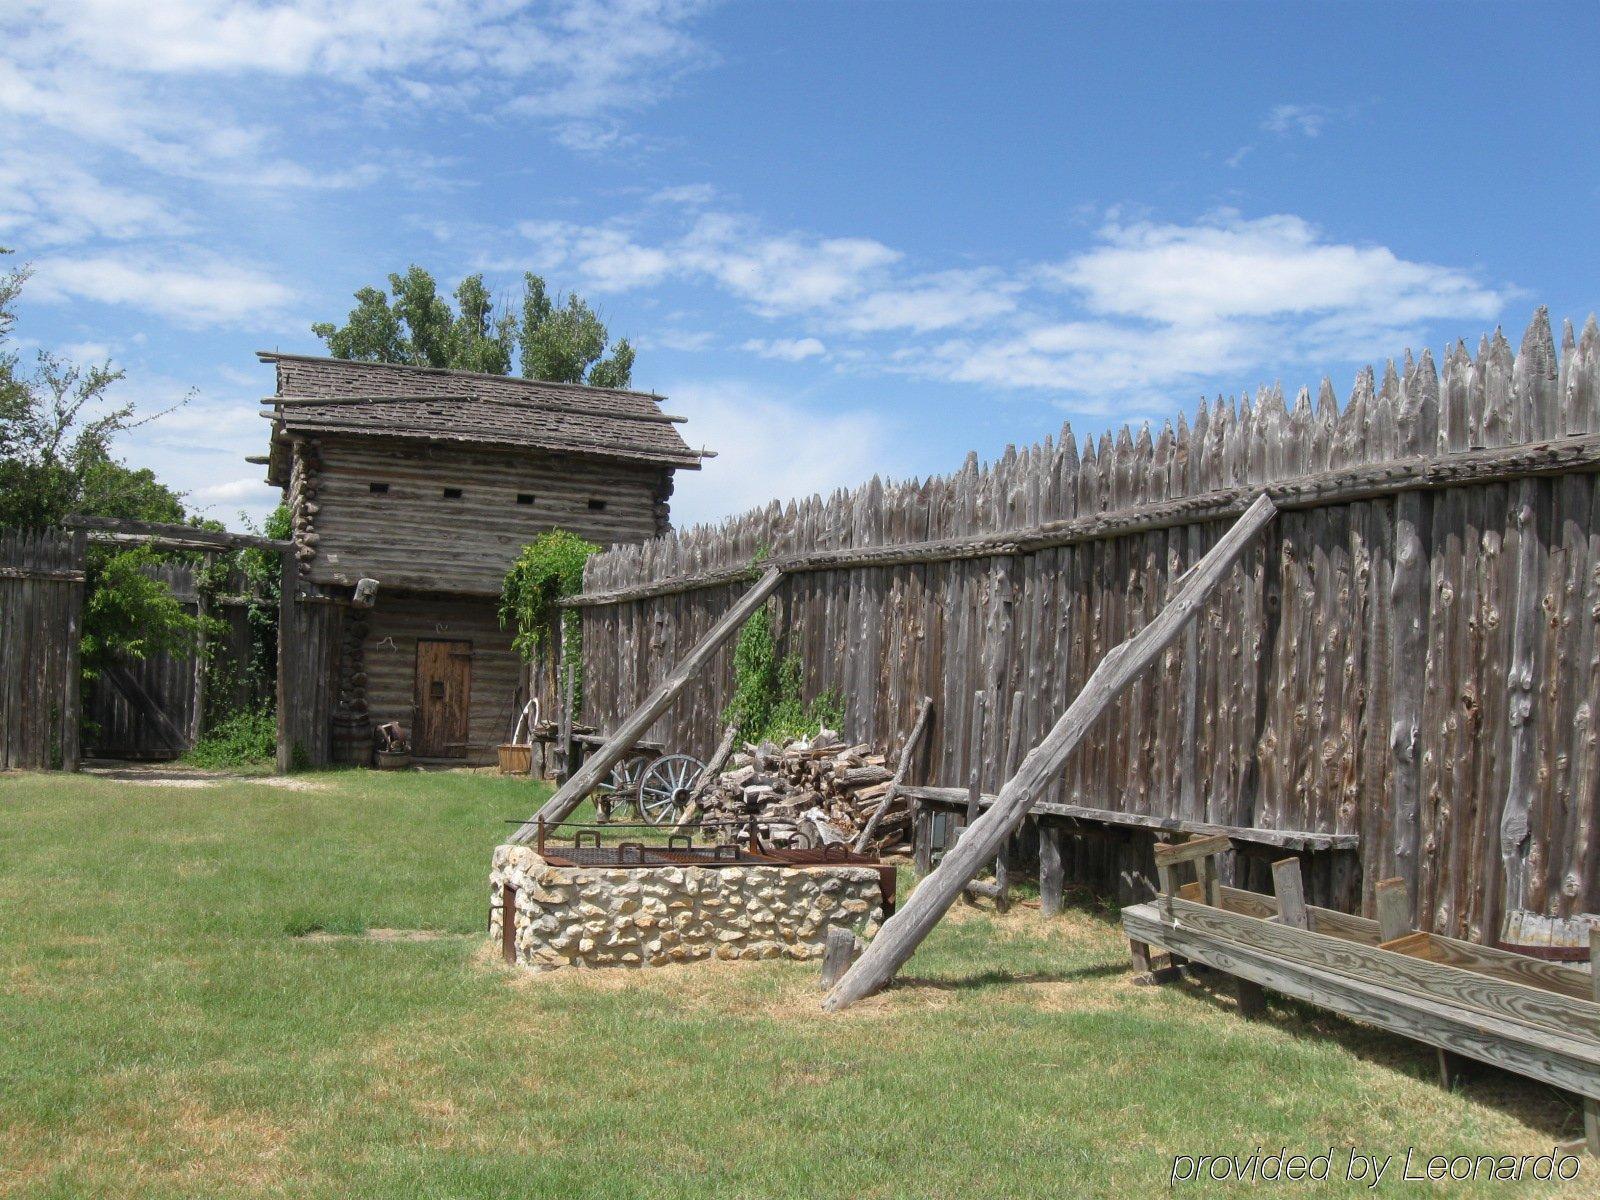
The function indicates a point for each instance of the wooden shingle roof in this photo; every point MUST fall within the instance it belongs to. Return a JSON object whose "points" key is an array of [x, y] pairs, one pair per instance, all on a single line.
{"points": [[335, 395]]}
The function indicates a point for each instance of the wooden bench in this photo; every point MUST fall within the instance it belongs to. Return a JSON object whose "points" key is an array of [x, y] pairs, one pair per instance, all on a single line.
{"points": [[1530, 1016]]}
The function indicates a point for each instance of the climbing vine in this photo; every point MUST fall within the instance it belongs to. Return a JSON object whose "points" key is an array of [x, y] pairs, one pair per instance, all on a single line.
{"points": [[549, 568], [767, 701]]}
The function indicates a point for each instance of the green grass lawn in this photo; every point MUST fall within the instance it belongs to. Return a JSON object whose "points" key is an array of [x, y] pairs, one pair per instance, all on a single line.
{"points": [[165, 1032]]}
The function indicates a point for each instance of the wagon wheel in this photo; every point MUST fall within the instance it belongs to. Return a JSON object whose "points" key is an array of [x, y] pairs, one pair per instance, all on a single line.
{"points": [[622, 783], [665, 786]]}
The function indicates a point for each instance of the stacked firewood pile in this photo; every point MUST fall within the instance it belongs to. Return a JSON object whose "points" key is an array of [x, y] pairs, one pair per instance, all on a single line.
{"points": [[818, 792]]}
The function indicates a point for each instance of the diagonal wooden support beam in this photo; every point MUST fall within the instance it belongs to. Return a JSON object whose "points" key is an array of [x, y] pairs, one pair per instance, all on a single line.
{"points": [[903, 933], [596, 766]]}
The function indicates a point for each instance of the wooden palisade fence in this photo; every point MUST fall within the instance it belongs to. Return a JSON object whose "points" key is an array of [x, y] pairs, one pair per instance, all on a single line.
{"points": [[1406, 661], [41, 623]]}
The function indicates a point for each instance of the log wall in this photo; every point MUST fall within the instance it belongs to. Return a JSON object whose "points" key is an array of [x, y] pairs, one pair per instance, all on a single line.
{"points": [[389, 655], [413, 536], [1409, 654]]}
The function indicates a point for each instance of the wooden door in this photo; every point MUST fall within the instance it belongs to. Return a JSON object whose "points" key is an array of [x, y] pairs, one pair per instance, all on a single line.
{"points": [[444, 691]]}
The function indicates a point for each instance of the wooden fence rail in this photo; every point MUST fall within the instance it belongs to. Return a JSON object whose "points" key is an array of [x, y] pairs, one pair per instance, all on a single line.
{"points": [[1407, 658]]}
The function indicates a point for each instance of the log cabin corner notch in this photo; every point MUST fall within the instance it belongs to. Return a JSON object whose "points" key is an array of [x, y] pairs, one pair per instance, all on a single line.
{"points": [[431, 481]]}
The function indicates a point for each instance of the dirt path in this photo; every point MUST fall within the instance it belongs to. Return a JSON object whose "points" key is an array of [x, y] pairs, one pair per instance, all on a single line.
{"points": [[179, 776]]}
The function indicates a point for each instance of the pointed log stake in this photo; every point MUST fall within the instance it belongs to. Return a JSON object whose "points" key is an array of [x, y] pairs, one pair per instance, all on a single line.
{"points": [[899, 938], [906, 752], [584, 781]]}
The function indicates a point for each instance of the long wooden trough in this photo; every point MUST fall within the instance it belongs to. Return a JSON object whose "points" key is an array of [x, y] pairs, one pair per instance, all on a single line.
{"points": [[1526, 1015]]}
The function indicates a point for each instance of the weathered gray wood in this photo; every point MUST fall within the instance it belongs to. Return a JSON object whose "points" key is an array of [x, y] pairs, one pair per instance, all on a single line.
{"points": [[72, 710], [905, 930], [1501, 964], [1287, 839], [1194, 850], [124, 681], [1289, 887], [1524, 1050], [1591, 1104], [1559, 1015], [1394, 909], [1052, 869], [838, 952], [708, 776], [172, 537], [584, 780], [913, 740], [1343, 486]]}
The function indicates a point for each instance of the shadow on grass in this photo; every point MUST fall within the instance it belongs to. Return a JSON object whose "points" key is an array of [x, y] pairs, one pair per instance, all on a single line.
{"points": [[996, 978], [1537, 1105]]}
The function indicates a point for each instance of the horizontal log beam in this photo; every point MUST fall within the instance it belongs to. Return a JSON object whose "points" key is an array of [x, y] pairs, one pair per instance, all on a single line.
{"points": [[1465, 468], [1287, 839], [175, 537]]}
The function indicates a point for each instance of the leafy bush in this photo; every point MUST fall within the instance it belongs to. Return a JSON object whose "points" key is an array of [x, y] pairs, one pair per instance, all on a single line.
{"points": [[245, 739], [766, 694], [127, 612]]}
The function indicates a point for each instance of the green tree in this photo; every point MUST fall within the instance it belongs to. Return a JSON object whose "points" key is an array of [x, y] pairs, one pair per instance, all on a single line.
{"points": [[558, 339], [56, 435], [57, 430]]}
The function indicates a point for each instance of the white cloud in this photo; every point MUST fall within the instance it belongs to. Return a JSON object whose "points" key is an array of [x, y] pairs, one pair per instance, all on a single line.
{"points": [[48, 199], [198, 290], [769, 448], [233, 491], [939, 301], [786, 349], [693, 195], [1166, 304], [1306, 120], [1228, 267]]}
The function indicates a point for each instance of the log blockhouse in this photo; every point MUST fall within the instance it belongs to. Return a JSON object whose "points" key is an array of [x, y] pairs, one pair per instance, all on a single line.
{"points": [[431, 481]]}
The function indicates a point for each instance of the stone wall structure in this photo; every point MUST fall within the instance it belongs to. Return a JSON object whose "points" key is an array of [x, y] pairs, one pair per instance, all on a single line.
{"points": [[651, 916]]}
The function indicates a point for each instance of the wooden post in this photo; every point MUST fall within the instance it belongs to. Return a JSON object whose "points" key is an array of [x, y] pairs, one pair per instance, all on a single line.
{"points": [[566, 751], [1394, 909], [708, 776], [906, 751], [1052, 870], [616, 748], [838, 953], [922, 840], [975, 767], [1591, 1106], [286, 585], [1290, 888], [197, 718], [72, 716], [899, 938]]}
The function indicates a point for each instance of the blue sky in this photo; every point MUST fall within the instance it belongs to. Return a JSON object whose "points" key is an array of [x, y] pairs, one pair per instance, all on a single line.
{"points": [[847, 238]]}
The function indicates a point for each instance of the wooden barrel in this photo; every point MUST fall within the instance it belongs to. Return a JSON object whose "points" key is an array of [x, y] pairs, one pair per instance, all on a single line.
{"points": [[352, 742]]}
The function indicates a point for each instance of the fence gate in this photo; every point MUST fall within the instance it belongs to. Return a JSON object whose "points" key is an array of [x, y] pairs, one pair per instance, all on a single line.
{"points": [[41, 622]]}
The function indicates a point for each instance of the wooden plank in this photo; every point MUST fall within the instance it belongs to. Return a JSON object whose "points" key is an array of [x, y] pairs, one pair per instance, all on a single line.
{"points": [[1323, 920], [900, 936], [1578, 1020], [1501, 964], [1289, 887], [1173, 853], [1523, 1050], [125, 682], [913, 740], [838, 952], [1288, 839], [583, 781], [1394, 909]]}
